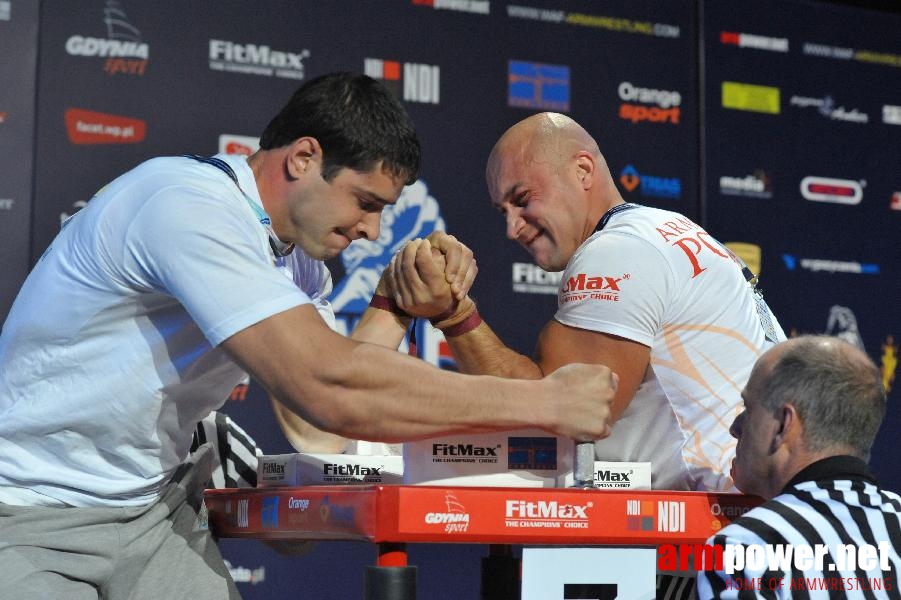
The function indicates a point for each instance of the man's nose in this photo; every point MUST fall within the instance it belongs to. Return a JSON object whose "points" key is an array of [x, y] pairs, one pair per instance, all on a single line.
{"points": [[369, 226], [514, 223]]}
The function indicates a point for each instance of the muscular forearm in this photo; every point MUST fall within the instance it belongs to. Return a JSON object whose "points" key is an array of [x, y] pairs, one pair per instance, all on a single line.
{"points": [[396, 398], [302, 435], [481, 352], [364, 391], [381, 327]]}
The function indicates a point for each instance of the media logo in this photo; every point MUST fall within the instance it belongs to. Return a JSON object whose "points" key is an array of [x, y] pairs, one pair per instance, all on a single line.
{"points": [[6, 203], [758, 42], [482, 7], [123, 49], [269, 512], [528, 278], [753, 98], [89, 127], [650, 185], [757, 185], [455, 518], [413, 82], [643, 515], [827, 108], [537, 85], [238, 144], [532, 453], [664, 104], [253, 59], [891, 114], [896, 201], [834, 191]]}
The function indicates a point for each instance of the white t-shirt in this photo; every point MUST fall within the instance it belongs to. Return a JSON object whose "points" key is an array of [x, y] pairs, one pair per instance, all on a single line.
{"points": [[109, 356], [657, 278]]}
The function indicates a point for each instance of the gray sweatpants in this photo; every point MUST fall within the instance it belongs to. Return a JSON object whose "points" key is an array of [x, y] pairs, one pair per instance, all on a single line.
{"points": [[149, 552]]}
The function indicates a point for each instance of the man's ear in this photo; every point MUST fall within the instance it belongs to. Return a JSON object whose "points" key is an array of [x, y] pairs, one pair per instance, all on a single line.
{"points": [[302, 155], [789, 426], [585, 168]]}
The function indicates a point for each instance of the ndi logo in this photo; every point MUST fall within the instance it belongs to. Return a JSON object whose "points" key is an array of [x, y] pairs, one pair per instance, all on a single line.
{"points": [[420, 82]]}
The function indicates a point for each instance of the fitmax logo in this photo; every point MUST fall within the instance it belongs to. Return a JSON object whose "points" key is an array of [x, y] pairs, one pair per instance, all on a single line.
{"points": [[463, 450]]}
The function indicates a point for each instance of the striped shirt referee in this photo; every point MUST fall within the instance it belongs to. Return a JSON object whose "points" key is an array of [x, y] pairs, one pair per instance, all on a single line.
{"points": [[830, 504]]}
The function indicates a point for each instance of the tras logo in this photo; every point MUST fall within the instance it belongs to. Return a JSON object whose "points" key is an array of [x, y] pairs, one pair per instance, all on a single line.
{"points": [[454, 518], [413, 82], [123, 50], [650, 185]]}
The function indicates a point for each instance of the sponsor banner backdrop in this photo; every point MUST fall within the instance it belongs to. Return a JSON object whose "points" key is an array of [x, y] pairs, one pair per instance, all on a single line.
{"points": [[800, 163], [18, 46], [802, 146]]}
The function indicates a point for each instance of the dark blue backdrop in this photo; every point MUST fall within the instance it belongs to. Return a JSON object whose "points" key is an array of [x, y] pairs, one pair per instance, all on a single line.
{"points": [[719, 110]]}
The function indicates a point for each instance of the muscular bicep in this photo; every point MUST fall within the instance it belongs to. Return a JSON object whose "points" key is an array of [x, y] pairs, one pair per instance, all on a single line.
{"points": [[561, 344]]}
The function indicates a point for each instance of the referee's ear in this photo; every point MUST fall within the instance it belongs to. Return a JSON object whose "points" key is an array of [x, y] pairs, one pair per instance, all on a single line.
{"points": [[789, 430]]}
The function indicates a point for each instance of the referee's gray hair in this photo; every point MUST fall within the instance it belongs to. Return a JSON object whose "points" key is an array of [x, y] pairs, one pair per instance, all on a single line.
{"points": [[836, 389]]}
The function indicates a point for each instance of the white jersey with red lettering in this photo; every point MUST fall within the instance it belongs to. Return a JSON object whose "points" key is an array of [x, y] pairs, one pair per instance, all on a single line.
{"points": [[657, 278]]}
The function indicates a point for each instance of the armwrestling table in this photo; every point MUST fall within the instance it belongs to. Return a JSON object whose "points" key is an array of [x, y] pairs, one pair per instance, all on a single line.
{"points": [[391, 516]]}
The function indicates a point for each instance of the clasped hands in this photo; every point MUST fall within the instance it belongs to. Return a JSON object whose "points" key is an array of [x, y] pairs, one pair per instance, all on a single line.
{"points": [[430, 278]]}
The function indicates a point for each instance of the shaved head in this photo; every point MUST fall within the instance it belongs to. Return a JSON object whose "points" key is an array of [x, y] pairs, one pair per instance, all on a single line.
{"points": [[547, 176], [544, 137]]}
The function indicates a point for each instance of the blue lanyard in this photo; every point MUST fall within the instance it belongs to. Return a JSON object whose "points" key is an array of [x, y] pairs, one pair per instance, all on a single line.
{"points": [[279, 248]]}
